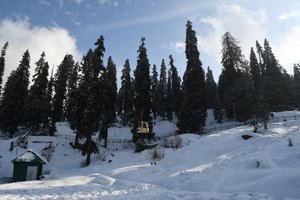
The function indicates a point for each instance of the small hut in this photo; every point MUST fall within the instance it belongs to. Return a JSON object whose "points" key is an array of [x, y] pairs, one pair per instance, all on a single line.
{"points": [[28, 166]]}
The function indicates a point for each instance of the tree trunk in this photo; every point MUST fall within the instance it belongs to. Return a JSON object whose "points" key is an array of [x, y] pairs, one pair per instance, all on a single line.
{"points": [[89, 145], [76, 142], [105, 143], [104, 133]]}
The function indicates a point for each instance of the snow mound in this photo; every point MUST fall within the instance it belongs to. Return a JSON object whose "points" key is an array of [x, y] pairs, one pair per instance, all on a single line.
{"points": [[102, 179]]}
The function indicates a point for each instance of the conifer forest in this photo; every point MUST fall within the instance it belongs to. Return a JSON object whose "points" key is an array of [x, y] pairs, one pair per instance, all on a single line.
{"points": [[86, 94]]}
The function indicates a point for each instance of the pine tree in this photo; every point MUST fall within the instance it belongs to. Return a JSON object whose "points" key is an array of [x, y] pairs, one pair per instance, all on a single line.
{"points": [[210, 89], [36, 104], [259, 51], [273, 80], [72, 86], [242, 98], [110, 92], [90, 118], [255, 72], [154, 91], [256, 83], [47, 122], [86, 117], [2, 62], [60, 89], [297, 85], [125, 95], [162, 90], [169, 103], [175, 87], [288, 88], [218, 112], [88, 107], [193, 111], [230, 78], [142, 83], [15, 93]]}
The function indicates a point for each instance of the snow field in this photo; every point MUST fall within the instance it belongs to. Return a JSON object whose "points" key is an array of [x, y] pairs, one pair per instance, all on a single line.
{"points": [[217, 166]]}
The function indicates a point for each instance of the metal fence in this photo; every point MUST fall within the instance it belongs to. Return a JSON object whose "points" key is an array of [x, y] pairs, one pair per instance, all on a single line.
{"points": [[205, 130], [284, 118], [271, 119], [221, 128]]}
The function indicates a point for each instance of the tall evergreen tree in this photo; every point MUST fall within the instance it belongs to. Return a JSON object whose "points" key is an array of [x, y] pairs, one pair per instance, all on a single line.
{"points": [[89, 121], [255, 72], [37, 104], [110, 92], [297, 85], [218, 112], [2, 62], [241, 97], [162, 90], [89, 97], [15, 93], [256, 84], [72, 86], [142, 83], [273, 81], [232, 61], [175, 87], [50, 87], [60, 89], [260, 61], [193, 111], [169, 103], [210, 89], [125, 94], [288, 88], [154, 91]]}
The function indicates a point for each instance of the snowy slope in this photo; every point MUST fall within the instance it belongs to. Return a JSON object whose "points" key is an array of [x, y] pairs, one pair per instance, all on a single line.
{"points": [[216, 166]]}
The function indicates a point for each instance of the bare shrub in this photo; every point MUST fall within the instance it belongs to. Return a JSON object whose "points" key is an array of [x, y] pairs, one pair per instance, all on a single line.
{"points": [[174, 142], [47, 152], [156, 155], [290, 142]]}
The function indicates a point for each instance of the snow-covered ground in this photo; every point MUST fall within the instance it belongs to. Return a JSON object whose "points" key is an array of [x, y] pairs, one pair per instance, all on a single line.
{"points": [[216, 166]]}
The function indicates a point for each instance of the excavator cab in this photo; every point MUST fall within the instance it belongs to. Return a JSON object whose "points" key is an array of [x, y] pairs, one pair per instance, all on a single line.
{"points": [[142, 128]]}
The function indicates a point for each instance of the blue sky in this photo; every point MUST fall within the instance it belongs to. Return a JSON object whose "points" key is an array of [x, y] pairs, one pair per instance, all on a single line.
{"points": [[72, 26]]}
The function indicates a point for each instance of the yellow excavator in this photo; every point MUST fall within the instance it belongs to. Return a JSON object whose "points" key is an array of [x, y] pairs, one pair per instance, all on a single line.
{"points": [[143, 127], [142, 133]]}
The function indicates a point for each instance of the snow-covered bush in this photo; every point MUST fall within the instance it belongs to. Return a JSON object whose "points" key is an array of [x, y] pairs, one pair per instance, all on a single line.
{"points": [[174, 142], [22, 141], [155, 155], [47, 152]]}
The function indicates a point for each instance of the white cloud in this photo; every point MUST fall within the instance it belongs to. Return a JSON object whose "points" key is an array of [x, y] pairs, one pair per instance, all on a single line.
{"points": [[287, 48], [178, 46], [56, 42], [289, 15], [77, 1], [115, 3], [43, 2], [68, 12], [180, 12], [111, 2], [244, 25], [61, 4]]}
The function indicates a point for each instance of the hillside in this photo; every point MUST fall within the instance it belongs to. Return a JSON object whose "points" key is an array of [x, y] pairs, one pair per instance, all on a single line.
{"points": [[220, 165]]}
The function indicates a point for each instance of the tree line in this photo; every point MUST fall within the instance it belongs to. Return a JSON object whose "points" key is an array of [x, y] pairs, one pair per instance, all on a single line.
{"points": [[85, 94]]}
